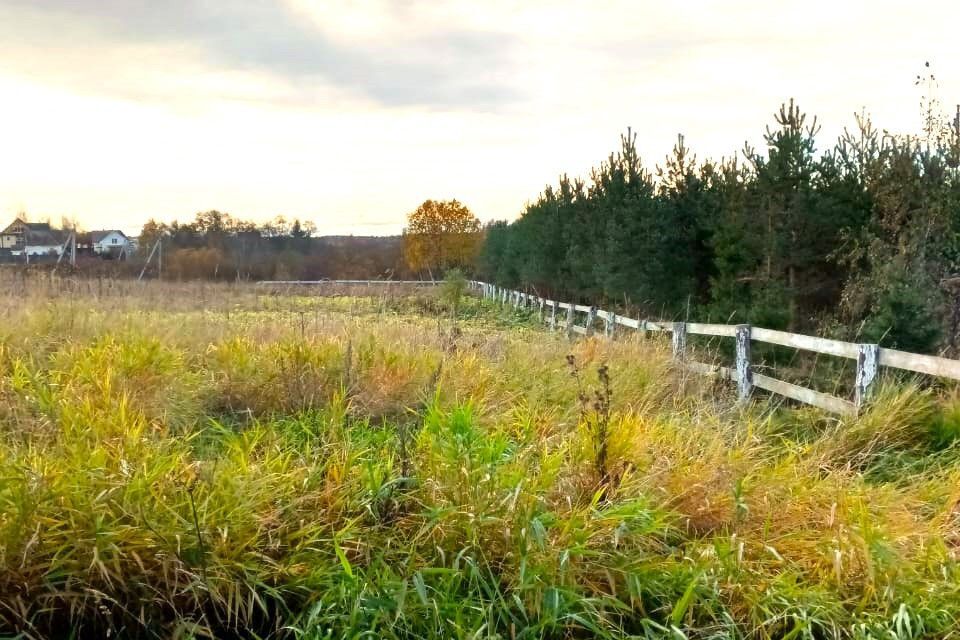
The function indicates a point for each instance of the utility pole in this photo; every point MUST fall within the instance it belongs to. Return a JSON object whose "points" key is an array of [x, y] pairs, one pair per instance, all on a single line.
{"points": [[146, 264], [72, 243]]}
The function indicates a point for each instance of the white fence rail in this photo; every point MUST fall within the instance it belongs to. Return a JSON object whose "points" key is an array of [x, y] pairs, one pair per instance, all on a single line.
{"points": [[277, 283], [869, 357]]}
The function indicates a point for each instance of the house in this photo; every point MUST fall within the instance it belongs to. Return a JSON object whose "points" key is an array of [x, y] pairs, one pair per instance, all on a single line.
{"points": [[30, 239], [24, 241], [12, 237], [106, 243]]}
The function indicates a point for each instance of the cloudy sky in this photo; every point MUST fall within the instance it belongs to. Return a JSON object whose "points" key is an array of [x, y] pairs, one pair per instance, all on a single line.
{"points": [[351, 113]]}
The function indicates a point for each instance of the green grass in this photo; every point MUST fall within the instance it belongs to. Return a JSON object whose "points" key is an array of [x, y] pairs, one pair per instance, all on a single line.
{"points": [[233, 465]]}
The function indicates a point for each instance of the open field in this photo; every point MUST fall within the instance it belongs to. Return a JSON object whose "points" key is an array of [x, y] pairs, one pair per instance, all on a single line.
{"points": [[197, 460]]}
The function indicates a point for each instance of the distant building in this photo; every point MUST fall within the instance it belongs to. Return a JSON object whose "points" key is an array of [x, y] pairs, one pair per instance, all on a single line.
{"points": [[24, 241], [106, 243], [32, 239]]}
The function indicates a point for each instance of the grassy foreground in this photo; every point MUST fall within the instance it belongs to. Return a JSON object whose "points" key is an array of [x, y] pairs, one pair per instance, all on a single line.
{"points": [[197, 461]]}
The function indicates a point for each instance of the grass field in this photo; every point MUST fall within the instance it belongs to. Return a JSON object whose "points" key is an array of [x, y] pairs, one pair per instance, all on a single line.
{"points": [[207, 461]]}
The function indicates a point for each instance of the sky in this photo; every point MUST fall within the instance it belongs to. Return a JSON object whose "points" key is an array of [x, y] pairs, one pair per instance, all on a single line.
{"points": [[351, 113]]}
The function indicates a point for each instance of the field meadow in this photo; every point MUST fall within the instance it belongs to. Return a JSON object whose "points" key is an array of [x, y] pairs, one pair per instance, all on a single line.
{"points": [[220, 461]]}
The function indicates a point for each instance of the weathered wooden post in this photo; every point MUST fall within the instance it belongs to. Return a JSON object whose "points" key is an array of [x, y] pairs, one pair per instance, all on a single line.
{"points": [[610, 324], [744, 373], [868, 361], [569, 326], [642, 328], [679, 340], [553, 315], [540, 310], [591, 319]]}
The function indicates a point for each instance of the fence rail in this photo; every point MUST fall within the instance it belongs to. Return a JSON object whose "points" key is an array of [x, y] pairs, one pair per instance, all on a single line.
{"points": [[869, 357], [425, 283]]}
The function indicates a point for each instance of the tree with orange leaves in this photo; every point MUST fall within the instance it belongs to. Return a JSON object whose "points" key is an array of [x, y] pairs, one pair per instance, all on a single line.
{"points": [[440, 235]]}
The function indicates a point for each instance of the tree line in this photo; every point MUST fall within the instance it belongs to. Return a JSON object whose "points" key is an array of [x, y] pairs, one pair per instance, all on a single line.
{"points": [[860, 241], [216, 245]]}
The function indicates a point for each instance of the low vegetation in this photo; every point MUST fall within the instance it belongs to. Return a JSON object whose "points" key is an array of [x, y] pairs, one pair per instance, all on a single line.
{"points": [[215, 461]]}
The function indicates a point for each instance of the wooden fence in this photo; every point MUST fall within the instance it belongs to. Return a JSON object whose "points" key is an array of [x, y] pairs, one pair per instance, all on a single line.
{"points": [[418, 283], [869, 357]]}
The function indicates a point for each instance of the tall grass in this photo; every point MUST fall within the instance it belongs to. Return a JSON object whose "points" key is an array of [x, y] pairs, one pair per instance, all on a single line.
{"points": [[239, 465]]}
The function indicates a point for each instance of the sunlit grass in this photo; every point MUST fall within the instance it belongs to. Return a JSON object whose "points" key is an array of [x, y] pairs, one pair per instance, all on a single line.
{"points": [[292, 467]]}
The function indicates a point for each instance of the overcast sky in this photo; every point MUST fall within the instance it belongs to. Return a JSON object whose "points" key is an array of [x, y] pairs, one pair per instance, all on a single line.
{"points": [[352, 113]]}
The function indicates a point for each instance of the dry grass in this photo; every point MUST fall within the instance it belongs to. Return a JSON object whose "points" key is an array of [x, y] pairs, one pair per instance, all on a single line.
{"points": [[211, 460]]}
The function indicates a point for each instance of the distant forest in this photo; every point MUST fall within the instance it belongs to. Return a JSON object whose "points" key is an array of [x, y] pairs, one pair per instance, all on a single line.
{"points": [[861, 241], [215, 245]]}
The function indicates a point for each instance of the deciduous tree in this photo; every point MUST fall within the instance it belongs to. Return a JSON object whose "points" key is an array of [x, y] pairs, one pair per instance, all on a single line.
{"points": [[441, 234]]}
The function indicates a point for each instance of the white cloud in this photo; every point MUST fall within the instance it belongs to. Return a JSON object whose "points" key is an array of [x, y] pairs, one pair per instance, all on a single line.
{"points": [[351, 113]]}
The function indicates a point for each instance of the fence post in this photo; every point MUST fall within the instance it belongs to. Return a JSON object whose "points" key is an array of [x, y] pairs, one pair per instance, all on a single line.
{"points": [[868, 360], [553, 315], [642, 328], [679, 340], [540, 310], [744, 373], [610, 326], [569, 326], [591, 319]]}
